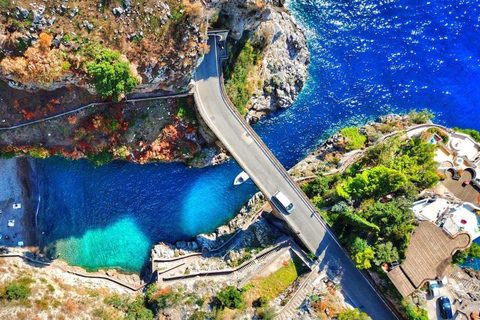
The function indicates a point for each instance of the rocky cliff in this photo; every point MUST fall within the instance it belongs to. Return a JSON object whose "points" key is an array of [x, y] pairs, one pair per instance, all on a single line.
{"points": [[46, 45], [283, 69]]}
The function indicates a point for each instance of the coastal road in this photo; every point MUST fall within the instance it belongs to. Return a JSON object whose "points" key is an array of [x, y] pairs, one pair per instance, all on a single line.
{"points": [[270, 176]]}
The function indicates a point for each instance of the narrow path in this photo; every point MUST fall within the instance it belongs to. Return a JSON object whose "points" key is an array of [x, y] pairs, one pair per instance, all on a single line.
{"points": [[90, 105]]}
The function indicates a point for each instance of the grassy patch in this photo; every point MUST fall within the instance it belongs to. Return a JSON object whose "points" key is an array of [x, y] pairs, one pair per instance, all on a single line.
{"points": [[271, 286], [242, 70]]}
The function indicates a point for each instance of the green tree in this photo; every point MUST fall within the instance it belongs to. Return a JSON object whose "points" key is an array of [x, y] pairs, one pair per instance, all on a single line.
{"points": [[359, 245], [355, 140], [353, 314], [111, 76], [362, 259], [231, 298], [395, 221], [385, 253], [374, 182]]}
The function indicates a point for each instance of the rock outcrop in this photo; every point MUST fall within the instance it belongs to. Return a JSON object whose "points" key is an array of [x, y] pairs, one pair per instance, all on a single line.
{"points": [[284, 69]]}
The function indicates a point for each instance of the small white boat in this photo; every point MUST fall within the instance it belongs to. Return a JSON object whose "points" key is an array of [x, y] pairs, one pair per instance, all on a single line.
{"points": [[241, 178]]}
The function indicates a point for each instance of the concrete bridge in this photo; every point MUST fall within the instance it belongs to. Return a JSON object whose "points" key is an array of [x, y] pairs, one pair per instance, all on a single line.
{"points": [[270, 176]]}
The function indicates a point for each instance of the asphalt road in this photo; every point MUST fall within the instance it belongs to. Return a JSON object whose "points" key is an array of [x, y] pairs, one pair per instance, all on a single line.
{"points": [[269, 176]]}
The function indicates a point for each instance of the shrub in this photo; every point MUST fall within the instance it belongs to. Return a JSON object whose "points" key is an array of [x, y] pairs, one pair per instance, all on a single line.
{"points": [[240, 85], [266, 313], [359, 245], [415, 313], [355, 140], [385, 253], [354, 314], [231, 298], [462, 255], [362, 259], [111, 77], [17, 290], [421, 117], [199, 315], [39, 153], [100, 159]]}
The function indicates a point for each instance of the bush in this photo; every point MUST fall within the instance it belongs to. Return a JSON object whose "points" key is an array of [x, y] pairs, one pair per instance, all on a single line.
{"points": [[355, 140], [421, 117], [239, 73], [362, 259], [354, 314], [415, 313], [199, 315], [385, 253], [100, 159], [17, 290], [39, 153], [231, 298], [266, 313], [111, 77], [462, 255]]}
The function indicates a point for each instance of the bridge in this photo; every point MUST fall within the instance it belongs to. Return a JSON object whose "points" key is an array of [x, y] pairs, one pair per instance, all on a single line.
{"points": [[270, 176]]}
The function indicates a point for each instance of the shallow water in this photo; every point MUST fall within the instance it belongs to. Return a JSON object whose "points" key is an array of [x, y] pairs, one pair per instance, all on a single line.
{"points": [[369, 58]]}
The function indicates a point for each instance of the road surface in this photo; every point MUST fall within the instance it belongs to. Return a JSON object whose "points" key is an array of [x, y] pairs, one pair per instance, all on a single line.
{"points": [[270, 176]]}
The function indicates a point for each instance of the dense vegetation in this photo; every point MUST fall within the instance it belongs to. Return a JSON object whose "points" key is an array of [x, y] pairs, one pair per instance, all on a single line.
{"points": [[471, 253], [241, 71], [370, 202]]}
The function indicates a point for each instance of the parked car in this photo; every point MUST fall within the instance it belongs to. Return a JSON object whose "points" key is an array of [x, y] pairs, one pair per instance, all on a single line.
{"points": [[433, 288], [445, 307]]}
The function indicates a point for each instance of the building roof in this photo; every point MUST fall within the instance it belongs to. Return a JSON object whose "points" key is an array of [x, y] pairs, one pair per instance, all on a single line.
{"points": [[425, 210], [428, 256]]}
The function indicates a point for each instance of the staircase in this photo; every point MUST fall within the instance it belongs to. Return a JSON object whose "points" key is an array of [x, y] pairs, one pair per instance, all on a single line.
{"points": [[296, 301]]}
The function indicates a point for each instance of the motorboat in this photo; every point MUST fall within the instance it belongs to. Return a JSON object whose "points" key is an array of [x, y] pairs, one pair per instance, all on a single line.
{"points": [[241, 178]]}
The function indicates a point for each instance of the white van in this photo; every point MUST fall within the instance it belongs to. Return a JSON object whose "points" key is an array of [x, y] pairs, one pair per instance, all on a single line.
{"points": [[283, 201]]}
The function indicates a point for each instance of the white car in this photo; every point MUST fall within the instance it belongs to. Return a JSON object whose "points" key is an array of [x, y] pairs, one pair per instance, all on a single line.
{"points": [[11, 223], [17, 205]]}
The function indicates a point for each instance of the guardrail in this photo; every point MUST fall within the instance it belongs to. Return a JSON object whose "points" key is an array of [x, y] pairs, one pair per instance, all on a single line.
{"points": [[287, 178]]}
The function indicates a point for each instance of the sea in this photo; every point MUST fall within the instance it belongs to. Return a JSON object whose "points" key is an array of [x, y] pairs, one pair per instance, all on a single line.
{"points": [[368, 58]]}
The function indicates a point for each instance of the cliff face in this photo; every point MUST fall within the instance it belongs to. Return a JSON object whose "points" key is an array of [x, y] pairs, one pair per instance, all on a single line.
{"points": [[47, 45], [284, 67]]}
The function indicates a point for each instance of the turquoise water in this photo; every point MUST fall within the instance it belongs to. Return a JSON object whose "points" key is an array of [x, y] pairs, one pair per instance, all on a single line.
{"points": [[369, 58]]}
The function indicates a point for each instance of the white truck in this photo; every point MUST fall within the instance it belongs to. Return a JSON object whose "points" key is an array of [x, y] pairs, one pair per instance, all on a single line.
{"points": [[283, 201]]}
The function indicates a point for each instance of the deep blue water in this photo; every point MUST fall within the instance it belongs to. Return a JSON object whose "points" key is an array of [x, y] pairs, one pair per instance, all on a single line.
{"points": [[369, 58]]}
